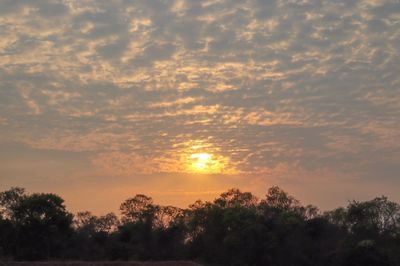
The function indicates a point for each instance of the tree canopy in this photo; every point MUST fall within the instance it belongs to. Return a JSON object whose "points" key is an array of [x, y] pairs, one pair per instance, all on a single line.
{"points": [[237, 228]]}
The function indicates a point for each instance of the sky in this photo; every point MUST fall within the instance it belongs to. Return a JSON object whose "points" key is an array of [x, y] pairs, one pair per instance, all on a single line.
{"points": [[183, 99]]}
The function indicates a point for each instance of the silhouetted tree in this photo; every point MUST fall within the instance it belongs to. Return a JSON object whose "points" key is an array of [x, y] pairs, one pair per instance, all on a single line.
{"points": [[42, 225], [10, 200], [139, 208], [235, 229]]}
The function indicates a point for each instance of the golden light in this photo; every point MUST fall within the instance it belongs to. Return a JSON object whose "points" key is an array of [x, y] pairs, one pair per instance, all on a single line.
{"points": [[207, 163], [201, 157], [201, 161]]}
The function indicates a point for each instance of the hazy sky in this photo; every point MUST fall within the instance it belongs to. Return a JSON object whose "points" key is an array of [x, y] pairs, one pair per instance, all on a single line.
{"points": [[183, 99]]}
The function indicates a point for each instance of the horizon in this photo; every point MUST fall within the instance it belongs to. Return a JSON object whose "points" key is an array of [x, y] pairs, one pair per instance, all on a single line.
{"points": [[210, 199], [182, 100]]}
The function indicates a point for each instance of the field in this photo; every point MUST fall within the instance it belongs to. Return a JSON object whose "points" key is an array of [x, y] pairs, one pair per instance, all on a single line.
{"points": [[80, 263]]}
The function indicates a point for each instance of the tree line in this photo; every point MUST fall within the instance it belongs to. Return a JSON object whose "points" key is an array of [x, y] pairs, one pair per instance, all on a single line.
{"points": [[237, 228]]}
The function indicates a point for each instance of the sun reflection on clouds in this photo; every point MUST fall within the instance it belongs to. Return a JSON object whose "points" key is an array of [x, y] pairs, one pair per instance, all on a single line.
{"points": [[191, 157], [207, 163], [203, 162], [201, 157]]}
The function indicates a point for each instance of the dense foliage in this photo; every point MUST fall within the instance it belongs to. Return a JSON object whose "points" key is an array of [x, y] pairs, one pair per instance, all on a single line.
{"points": [[235, 229]]}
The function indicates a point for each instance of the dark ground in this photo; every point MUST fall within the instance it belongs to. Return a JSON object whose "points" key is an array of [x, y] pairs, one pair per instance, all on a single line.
{"points": [[78, 263]]}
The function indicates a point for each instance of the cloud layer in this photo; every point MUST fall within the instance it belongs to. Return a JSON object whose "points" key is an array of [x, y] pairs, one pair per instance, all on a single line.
{"points": [[301, 87]]}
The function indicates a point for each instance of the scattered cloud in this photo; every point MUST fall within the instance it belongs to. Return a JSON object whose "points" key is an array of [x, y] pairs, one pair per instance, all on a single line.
{"points": [[267, 84]]}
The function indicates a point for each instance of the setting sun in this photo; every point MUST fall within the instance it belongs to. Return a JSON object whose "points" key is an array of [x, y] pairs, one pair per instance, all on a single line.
{"points": [[206, 163], [201, 161]]}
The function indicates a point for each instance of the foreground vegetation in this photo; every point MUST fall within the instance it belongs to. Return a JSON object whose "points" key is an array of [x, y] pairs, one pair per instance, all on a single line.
{"points": [[100, 263], [235, 229]]}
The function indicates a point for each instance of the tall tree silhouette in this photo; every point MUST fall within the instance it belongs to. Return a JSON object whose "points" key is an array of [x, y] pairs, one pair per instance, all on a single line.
{"points": [[236, 228]]}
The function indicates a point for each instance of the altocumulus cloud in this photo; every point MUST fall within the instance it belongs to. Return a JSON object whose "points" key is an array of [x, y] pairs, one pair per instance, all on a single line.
{"points": [[273, 86]]}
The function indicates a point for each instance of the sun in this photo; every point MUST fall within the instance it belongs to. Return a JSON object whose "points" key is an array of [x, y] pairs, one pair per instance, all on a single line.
{"points": [[200, 157], [201, 162]]}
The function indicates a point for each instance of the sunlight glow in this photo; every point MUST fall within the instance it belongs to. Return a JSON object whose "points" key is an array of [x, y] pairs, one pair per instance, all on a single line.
{"points": [[203, 157], [207, 163], [201, 161]]}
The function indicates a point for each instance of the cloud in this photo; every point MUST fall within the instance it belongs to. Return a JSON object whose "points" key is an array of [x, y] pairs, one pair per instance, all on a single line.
{"points": [[311, 85]]}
